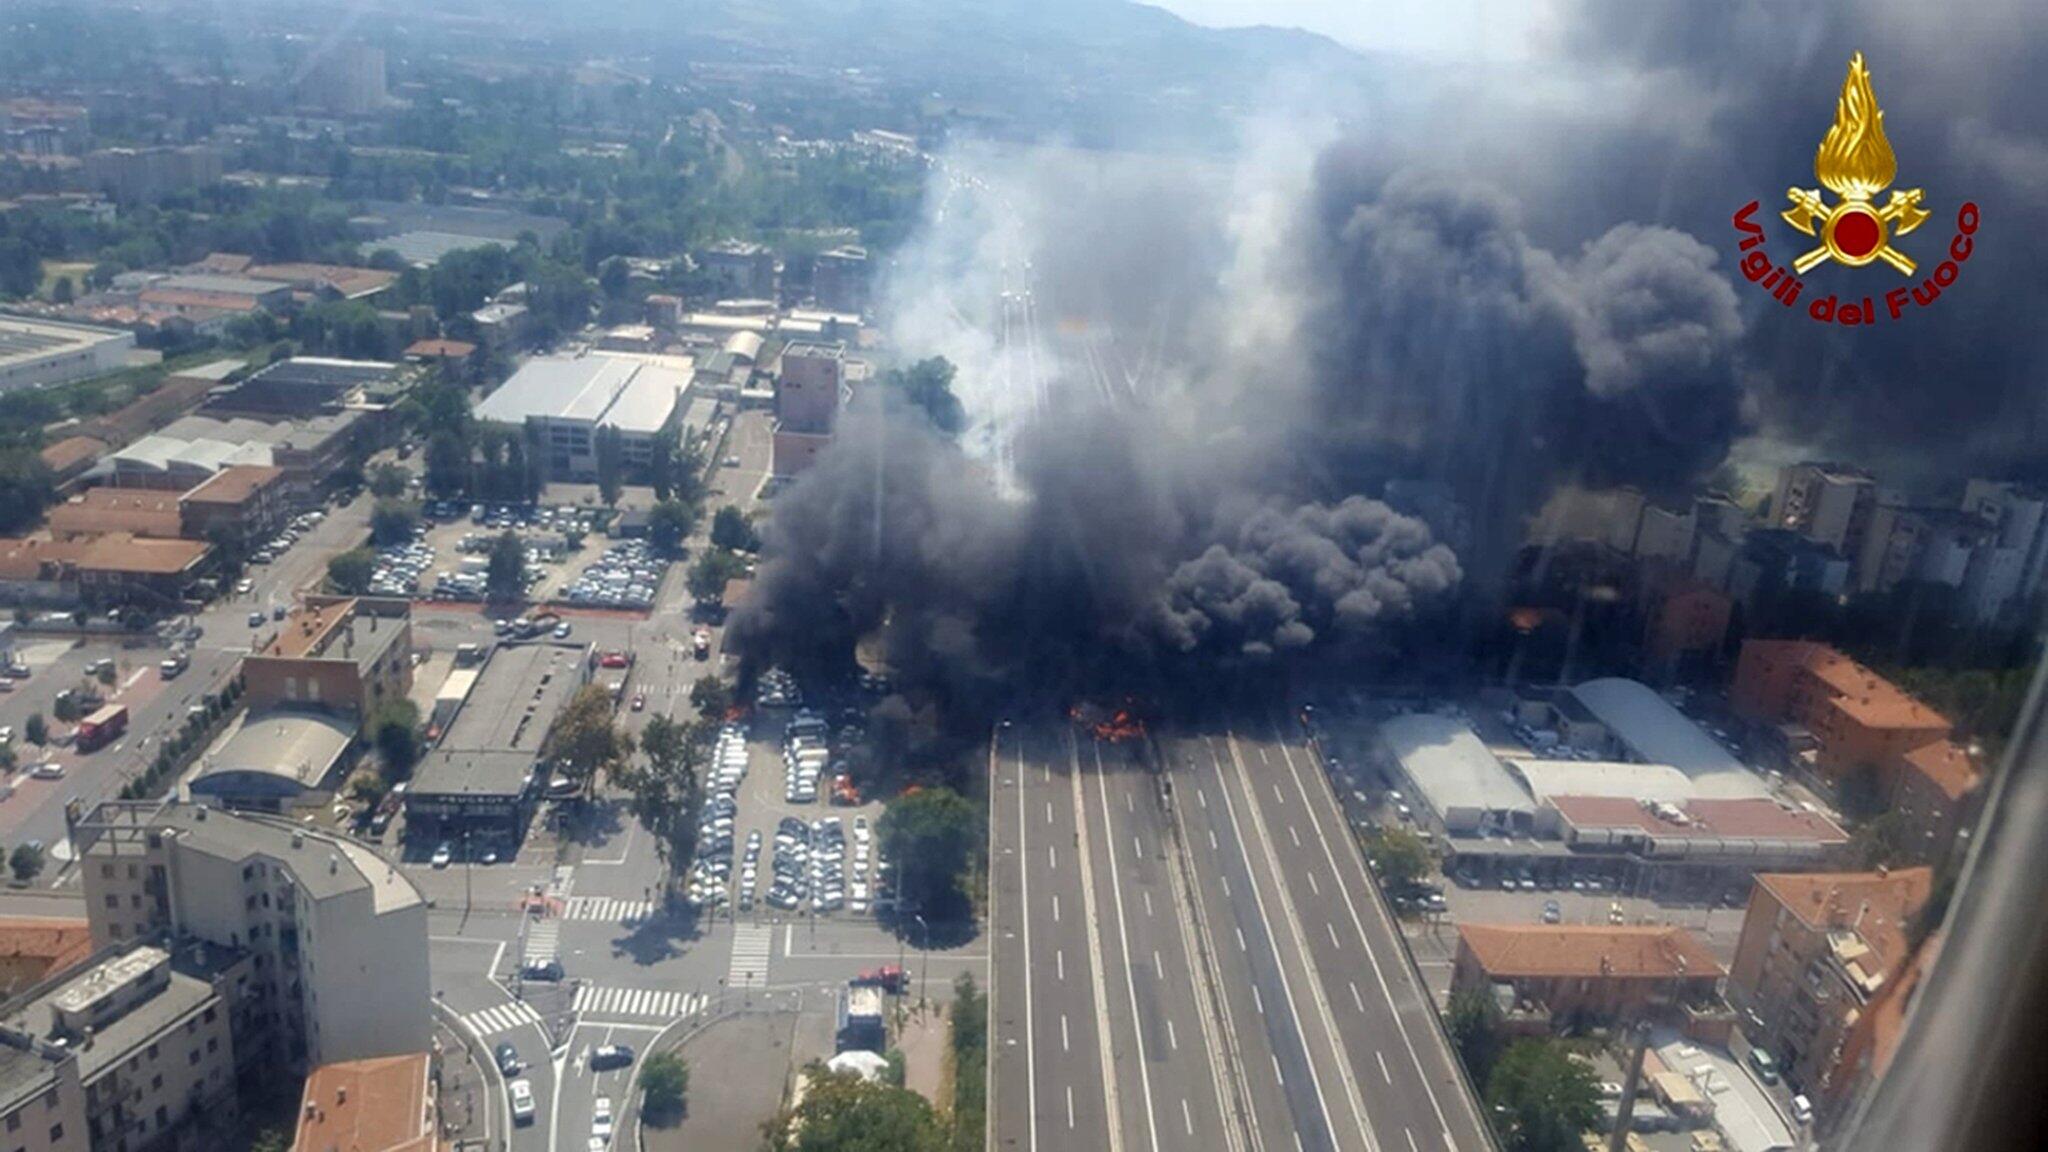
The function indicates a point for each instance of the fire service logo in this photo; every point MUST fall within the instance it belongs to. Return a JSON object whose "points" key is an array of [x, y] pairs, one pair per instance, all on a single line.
{"points": [[1856, 163]]}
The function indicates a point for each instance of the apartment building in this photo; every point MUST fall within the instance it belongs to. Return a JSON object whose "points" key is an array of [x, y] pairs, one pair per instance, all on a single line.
{"points": [[1857, 719], [1816, 948], [341, 654], [134, 1053], [337, 936], [1574, 974]]}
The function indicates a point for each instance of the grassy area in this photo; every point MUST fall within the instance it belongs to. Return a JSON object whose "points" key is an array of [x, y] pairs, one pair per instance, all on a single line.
{"points": [[969, 1066]]}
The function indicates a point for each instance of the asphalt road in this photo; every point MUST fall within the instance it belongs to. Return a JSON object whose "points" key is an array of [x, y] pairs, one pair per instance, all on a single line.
{"points": [[1199, 960], [1396, 1073]]}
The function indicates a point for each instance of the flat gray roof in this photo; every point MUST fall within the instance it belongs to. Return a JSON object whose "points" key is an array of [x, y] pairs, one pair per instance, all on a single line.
{"points": [[237, 836], [468, 772], [1451, 766], [630, 393], [518, 691], [21, 337], [114, 1040], [1656, 732]]}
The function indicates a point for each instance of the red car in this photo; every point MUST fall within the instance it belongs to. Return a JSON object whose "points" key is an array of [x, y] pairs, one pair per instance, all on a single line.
{"points": [[613, 660]]}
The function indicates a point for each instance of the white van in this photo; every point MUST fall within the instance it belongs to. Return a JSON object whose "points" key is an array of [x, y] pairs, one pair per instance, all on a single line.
{"points": [[522, 1101]]}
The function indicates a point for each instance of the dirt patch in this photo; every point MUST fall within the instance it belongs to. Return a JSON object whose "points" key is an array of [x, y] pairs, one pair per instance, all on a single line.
{"points": [[738, 1071], [923, 1039]]}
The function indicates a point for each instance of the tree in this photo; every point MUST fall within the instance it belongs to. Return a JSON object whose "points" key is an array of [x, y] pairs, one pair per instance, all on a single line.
{"points": [[711, 696], [929, 385], [610, 465], [614, 276], [62, 292], [447, 463], [585, 738], [708, 576], [931, 833], [1543, 1097], [661, 466], [36, 729], [389, 481], [844, 1113], [1880, 840], [1403, 858], [25, 862], [1474, 1023], [395, 729], [25, 488], [665, 1089], [732, 530], [505, 570], [393, 521], [663, 792], [351, 571], [669, 524]]}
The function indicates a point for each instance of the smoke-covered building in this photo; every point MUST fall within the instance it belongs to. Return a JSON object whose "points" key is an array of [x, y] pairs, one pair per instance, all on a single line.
{"points": [[749, 268], [839, 279], [808, 394]]}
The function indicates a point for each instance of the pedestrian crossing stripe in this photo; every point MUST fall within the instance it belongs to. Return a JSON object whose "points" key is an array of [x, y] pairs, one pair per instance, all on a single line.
{"points": [[636, 1003], [609, 910], [501, 1018], [751, 946]]}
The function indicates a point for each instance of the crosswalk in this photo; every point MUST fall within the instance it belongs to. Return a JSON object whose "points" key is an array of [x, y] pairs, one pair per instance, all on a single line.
{"points": [[501, 1018], [543, 941], [633, 1003], [606, 909], [751, 946]]}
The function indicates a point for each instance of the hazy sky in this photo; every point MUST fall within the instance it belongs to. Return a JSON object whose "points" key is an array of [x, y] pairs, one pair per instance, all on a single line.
{"points": [[1472, 29]]}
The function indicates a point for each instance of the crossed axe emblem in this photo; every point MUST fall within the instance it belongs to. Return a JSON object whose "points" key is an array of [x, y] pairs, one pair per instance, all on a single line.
{"points": [[1812, 215]]}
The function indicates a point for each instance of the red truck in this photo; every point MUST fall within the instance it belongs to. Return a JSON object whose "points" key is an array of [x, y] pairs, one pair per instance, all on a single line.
{"points": [[102, 727]]}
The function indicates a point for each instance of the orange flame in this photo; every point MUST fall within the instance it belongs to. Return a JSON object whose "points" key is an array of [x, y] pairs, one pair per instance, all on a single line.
{"points": [[1111, 727]]}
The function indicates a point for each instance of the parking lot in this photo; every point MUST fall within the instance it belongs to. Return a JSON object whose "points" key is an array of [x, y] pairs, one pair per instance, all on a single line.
{"points": [[777, 838]]}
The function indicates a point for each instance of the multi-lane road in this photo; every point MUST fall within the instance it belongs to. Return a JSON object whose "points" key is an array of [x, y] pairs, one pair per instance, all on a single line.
{"points": [[1189, 953]]}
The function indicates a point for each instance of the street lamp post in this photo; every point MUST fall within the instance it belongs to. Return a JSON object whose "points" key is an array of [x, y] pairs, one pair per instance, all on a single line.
{"points": [[924, 964]]}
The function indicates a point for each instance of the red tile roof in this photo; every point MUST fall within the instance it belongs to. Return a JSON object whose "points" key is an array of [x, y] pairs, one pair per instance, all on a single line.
{"points": [[51, 944], [430, 349], [72, 452], [234, 484], [1510, 951], [1877, 906], [1946, 764], [380, 1105]]}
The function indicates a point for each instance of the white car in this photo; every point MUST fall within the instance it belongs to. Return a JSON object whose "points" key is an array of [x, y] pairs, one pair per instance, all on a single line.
{"points": [[601, 1119], [442, 856], [522, 1101], [47, 770]]}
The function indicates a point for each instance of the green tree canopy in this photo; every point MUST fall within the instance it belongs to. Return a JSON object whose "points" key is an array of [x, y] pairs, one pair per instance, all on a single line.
{"points": [[392, 522], [929, 385], [610, 465], [1474, 1024], [844, 1113], [664, 1088], [731, 529], [350, 572], [395, 730], [585, 738], [709, 574], [711, 696], [505, 569], [669, 524], [1403, 858], [1544, 1097], [389, 481], [932, 834]]}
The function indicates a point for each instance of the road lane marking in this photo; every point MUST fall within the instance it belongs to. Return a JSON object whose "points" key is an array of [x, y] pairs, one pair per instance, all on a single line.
{"points": [[1048, 811], [1148, 901], [1065, 1043], [1129, 805], [1091, 920], [1332, 930], [1059, 962], [1187, 1118], [1277, 1074], [1202, 798], [1213, 846], [1030, 1021], [1055, 907], [1052, 858], [1294, 836], [1123, 937], [1258, 1001], [1355, 997], [1137, 848], [1070, 1106], [1277, 797], [1384, 1074], [1412, 1146], [1371, 956], [1172, 1041], [1312, 885], [1240, 938], [1158, 969]]}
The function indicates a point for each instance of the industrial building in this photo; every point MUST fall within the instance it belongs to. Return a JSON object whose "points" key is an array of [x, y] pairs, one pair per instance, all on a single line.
{"points": [[286, 893], [564, 401], [479, 782], [1466, 789], [1630, 719], [36, 353]]}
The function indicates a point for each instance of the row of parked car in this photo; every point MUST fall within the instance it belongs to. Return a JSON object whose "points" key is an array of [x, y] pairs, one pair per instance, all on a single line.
{"points": [[711, 872], [625, 576], [274, 547], [400, 566], [777, 689]]}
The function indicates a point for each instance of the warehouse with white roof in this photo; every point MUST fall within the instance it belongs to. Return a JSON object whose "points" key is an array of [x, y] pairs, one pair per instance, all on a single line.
{"points": [[563, 402], [1646, 727], [1465, 787]]}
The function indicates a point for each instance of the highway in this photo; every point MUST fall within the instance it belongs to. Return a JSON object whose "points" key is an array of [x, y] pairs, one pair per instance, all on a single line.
{"points": [[1198, 961]]}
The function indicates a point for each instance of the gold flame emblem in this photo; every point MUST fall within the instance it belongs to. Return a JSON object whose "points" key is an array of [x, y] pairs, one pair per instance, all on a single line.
{"points": [[1855, 162]]}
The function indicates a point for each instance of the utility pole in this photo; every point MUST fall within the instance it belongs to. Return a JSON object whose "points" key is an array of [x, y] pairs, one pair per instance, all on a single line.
{"points": [[1639, 1042]]}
